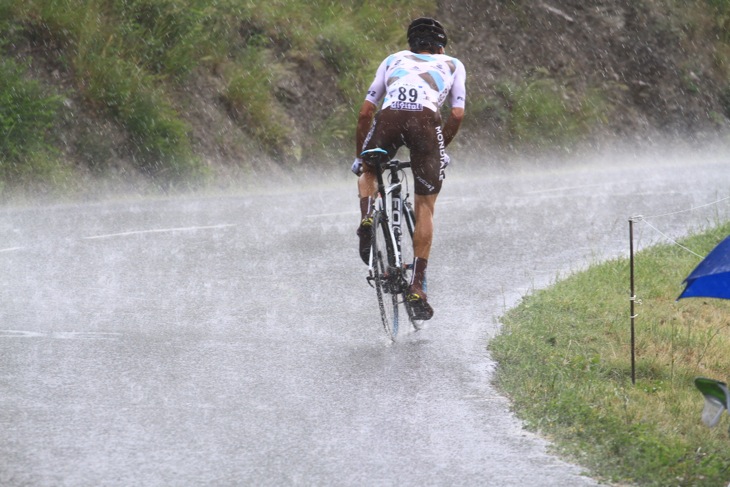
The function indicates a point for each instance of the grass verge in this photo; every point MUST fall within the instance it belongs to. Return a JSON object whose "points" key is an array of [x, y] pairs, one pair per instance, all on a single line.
{"points": [[564, 360], [26, 121]]}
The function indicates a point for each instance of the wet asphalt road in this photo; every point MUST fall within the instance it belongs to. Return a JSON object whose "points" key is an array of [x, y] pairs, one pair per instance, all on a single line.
{"points": [[234, 340]]}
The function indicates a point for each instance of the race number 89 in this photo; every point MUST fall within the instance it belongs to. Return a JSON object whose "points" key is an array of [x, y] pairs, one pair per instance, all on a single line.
{"points": [[410, 95]]}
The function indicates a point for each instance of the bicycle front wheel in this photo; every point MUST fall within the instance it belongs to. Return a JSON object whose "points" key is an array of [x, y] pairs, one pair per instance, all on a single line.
{"points": [[386, 274]]}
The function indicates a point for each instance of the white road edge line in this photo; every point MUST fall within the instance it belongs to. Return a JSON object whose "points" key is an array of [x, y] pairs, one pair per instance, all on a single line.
{"points": [[563, 188], [159, 230], [340, 213], [11, 249]]}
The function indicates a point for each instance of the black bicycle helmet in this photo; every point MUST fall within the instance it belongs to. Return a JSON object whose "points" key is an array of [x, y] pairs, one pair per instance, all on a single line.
{"points": [[426, 31]]}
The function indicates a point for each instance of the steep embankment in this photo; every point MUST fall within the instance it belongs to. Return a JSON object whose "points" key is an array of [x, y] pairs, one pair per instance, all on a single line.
{"points": [[183, 87], [623, 68]]}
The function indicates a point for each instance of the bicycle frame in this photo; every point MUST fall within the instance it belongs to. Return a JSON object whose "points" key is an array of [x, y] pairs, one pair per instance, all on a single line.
{"points": [[391, 202]]}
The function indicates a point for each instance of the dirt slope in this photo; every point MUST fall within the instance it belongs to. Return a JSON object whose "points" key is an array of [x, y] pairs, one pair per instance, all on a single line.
{"points": [[656, 70], [655, 67]]}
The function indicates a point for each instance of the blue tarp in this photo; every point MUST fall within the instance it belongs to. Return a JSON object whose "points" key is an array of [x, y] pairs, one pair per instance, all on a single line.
{"points": [[711, 278]]}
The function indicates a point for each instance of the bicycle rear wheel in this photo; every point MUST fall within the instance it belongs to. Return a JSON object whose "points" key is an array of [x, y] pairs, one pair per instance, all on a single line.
{"points": [[407, 255], [386, 275]]}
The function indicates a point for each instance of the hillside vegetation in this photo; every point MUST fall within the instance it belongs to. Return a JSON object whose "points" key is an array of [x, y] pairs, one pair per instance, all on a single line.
{"points": [[184, 90]]}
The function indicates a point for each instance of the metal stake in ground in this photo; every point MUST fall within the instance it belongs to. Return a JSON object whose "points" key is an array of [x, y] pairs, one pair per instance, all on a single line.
{"points": [[632, 299]]}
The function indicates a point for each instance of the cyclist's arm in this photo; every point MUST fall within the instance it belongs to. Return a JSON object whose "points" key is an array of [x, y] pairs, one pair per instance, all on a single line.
{"points": [[377, 89], [451, 127], [457, 94], [364, 122], [375, 95], [458, 102]]}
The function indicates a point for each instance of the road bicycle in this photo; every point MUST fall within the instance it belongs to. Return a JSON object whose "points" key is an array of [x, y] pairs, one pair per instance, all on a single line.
{"points": [[391, 252]]}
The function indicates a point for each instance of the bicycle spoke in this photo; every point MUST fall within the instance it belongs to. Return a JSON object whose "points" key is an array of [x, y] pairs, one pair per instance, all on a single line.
{"points": [[385, 276]]}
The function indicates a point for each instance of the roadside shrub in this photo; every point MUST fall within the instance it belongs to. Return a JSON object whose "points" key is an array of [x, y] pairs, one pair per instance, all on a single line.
{"points": [[543, 114], [5, 18], [341, 47], [26, 116], [40, 171], [722, 17], [249, 97], [166, 36], [121, 82], [725, 101], [158, 136]]}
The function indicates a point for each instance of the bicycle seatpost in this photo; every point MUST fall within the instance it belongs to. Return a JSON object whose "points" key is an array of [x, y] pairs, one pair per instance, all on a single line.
{"points": [[378, 157]]}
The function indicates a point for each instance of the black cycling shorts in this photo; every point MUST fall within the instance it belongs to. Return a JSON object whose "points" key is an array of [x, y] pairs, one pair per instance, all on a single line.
{"points": [[421, 132]]}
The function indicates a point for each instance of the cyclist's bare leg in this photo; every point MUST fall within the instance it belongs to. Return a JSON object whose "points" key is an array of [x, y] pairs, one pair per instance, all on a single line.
{"points": [[422, 238], [367, 188], [423, 233], [367, 183]]}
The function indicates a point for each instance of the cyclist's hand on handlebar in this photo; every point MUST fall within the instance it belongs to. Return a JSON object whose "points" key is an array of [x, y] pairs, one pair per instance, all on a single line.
{"points": [[445, 161], [357, 166]]}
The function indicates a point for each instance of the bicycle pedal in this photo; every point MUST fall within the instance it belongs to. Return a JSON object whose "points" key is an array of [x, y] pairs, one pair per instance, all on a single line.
{"points": [[419, 309]]}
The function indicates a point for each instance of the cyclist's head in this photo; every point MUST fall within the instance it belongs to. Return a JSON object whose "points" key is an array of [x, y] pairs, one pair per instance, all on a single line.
{"points": [[426, 34]]}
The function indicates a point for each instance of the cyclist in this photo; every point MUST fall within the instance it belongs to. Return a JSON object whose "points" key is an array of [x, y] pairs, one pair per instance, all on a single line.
{"points": [[412, 85]]}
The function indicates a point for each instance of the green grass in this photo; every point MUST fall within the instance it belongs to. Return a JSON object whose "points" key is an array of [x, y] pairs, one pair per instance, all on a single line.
{"points": [[721, 10], [26, 121], [543, 114], [249, 96], [129, 60], [564, 360]]}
